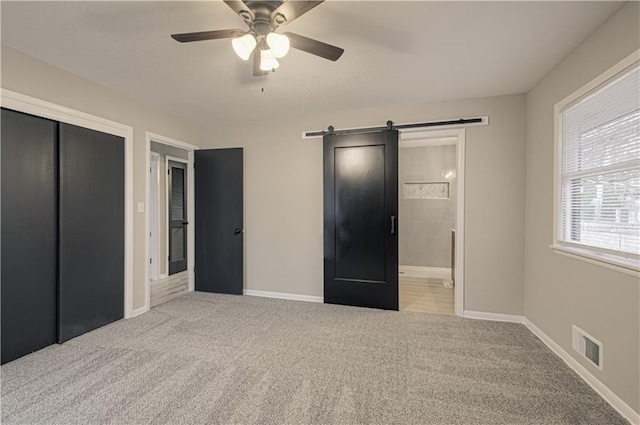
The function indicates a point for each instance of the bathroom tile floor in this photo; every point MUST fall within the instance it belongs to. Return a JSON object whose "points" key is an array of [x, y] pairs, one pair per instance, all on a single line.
{"points": [[425, 295]]}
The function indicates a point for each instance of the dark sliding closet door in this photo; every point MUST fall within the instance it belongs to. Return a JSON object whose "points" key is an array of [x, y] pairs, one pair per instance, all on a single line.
{"points": [[91, 230], [28, 288]]}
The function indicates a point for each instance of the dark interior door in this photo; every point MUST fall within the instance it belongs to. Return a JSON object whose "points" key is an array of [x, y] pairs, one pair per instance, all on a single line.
{"points": [[219, 220], [177, 174], [360, 219], [91, 251], [29, 244]]}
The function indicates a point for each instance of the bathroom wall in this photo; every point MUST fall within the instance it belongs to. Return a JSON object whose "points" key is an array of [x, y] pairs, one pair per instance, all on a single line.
{"points": [[425, 224]]}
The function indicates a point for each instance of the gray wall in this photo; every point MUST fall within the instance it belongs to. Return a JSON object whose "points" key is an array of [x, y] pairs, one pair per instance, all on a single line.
{"points": [[283, 180], [425, 224], [24, 74], [561, 291], [283, 196]]}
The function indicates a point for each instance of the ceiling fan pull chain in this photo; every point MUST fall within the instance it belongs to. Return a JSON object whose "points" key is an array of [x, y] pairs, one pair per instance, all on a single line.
{"points": [[264, 79]]}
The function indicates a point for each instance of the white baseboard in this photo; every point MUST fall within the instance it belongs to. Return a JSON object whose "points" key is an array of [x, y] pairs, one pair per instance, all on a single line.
{"points": [[138, 311], [283, 296], [609, 396], [496, 317]]}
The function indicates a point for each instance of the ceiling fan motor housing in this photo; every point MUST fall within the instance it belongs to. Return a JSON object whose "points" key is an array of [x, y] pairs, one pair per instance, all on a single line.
{"points": [[261, 28], [262, 23]]}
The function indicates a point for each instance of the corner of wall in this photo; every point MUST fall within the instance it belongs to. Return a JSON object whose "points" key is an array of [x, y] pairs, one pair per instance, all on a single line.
{"points": [[609, 302]]}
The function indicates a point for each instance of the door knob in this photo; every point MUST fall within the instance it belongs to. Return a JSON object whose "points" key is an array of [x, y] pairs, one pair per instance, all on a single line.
{"points": [[185, 222], [236, 231]]}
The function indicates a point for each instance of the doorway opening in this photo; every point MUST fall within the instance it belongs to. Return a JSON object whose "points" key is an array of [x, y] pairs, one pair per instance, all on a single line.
{"points": [[170, 220], [176, 202], [431, 219]]}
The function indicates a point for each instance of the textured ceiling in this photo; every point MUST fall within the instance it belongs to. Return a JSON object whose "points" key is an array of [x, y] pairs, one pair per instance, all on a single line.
{"points": [[395, 52]]}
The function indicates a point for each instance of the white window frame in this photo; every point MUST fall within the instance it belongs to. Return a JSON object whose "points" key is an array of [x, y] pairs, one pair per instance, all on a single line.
{"points": [[597, 256]]}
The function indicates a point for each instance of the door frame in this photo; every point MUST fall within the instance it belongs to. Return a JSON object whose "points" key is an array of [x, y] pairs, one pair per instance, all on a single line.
{"points": [[419, 137], [42, 108], [154, 210], [167, 193], [157, 138]]}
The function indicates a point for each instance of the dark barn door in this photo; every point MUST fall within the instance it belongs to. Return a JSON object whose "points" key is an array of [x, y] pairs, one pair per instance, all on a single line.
{"points": [[219, 220], [360, 219], [91, 230], [177, 174], [29, 240]]}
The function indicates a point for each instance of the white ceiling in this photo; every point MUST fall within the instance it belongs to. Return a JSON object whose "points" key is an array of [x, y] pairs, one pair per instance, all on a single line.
{"points": [[395, 52]]}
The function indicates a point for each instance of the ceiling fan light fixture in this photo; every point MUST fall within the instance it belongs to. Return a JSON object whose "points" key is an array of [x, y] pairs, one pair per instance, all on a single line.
{"points": [[268, 61], [261, 40], [279, 43], [243, 46]]}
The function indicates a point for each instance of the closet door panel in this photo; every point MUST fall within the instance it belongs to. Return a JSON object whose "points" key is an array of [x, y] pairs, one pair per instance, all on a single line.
{"points": [[28, 276], [91, 230]]}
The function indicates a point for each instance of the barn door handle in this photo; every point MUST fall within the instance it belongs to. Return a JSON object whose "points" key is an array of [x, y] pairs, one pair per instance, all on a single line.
{"points": [[393, 224], [236, 231]]}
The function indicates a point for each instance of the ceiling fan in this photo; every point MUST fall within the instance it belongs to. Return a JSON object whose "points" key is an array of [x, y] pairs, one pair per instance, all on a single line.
{"points": [[263, 18]]}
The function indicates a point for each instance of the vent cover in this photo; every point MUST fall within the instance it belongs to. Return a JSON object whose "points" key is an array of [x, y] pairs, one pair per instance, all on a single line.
{"points": [[587, 346]]}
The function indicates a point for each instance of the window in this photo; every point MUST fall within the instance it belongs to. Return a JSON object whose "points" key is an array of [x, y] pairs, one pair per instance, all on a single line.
{"points": [[598, 193]]}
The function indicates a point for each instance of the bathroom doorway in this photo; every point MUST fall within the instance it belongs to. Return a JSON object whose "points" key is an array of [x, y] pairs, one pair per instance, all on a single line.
{"points": [[431, 202]]}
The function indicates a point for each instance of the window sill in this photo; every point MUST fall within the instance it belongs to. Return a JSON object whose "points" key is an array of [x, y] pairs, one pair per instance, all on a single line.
{"points": [[619, 264]]}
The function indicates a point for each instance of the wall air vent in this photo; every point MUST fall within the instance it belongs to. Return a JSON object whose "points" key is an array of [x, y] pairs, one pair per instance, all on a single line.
{"points": [[587, 346]]}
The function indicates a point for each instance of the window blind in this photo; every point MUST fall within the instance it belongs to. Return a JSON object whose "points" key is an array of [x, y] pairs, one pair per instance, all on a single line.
{"points": [[600, 169]]}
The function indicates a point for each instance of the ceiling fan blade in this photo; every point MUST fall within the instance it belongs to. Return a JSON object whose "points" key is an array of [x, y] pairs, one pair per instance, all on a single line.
{"points": [[241, 9], [314, 47], [291, 10], [206, 35], [257, 72]]}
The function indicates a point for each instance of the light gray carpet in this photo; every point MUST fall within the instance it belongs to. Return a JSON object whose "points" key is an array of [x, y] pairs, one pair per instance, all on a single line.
{"points": [[216, 359]]}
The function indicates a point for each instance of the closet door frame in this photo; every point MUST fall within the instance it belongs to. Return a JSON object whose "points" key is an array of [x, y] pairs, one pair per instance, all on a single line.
{"points": [[41, 108]]}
